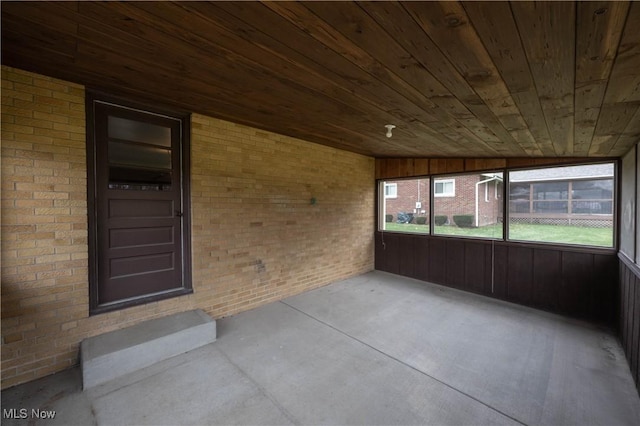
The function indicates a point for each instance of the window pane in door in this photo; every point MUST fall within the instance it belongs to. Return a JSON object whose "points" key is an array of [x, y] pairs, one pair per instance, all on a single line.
{"points": [[137, 155], [138, 131], [138, 163]]}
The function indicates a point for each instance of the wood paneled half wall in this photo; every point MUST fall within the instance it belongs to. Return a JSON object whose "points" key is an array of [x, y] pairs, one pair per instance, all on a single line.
{"points": [[576, 282], [629, 314]]}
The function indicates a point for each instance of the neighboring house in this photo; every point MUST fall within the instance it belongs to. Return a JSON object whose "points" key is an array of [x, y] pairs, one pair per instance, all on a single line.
{"points": [[453, 195], [575, 195], [407, 196], [477, 195]]}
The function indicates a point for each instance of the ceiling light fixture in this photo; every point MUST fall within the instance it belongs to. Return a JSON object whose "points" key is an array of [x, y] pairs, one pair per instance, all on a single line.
{"points": [[389, 128]]}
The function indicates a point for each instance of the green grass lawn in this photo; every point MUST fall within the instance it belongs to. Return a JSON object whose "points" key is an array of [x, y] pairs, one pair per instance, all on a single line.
{"points": [[600, 237], [489, 231], [407, 227]]}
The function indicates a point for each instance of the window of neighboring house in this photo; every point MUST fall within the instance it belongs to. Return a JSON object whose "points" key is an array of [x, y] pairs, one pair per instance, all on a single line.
{"points": [[391, 190], [570, 205], [405, 205], [469, 205], [444, 188]]}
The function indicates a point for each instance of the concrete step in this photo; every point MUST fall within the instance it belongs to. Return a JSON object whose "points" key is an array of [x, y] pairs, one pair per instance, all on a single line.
{"points": [[111, 355]]}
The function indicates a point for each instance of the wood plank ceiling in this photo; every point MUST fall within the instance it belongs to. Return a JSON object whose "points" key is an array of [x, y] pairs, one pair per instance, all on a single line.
{"points": [[472, 79]]}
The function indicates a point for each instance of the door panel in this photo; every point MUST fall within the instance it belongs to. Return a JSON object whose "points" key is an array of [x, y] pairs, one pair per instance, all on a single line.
{"points": [[139, 207], [133, 287], [140, 237], [121, 267], [136, 208]]}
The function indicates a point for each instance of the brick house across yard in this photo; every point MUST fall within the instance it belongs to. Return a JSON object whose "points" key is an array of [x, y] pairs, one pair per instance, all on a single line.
{"points": [[407, 196], [573, 195], [477, 195]]}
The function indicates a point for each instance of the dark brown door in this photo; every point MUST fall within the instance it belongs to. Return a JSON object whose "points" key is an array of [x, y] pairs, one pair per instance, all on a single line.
{"points": [[140, 213]]}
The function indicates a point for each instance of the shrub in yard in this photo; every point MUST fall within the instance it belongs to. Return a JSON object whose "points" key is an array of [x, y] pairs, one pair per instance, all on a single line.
{"points": [[388, 218], [440, 219], [421, 220], [463, 220]]}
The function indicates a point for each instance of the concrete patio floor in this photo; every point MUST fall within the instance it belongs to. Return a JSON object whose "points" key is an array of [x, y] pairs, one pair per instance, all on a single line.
{"points": [[374, 349]]}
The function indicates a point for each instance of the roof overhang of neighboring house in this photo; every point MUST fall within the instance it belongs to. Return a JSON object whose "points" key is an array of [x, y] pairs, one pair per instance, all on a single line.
{"points": [[592, 171]]}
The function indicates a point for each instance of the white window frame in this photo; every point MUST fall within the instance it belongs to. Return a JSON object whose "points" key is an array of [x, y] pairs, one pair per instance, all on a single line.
{"points": [[444, 182], [395, 190]]}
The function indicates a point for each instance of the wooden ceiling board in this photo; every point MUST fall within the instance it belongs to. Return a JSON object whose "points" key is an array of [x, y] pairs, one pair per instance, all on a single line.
{"points": [[621, 99], [299, 15], [352, 80], [630, 136], [599, 29], [547, 32], [365, 33], [322, 79], [166, 75], [392, 17], [624, 83], [472, 79], [24, 34], [222, 65], [230, 81], [93, 48], [368, 61], [447, 25], [311, 78], [496, 27]]}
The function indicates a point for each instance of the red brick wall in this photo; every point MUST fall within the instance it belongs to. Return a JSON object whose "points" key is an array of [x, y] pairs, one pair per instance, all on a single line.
{"points": [[490, 211], [463, 203], [409, 192]]}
